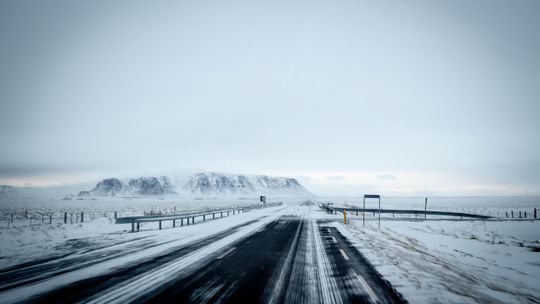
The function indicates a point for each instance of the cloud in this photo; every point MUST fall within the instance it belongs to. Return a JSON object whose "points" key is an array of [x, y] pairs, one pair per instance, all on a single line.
{"points": [[387, 176], [336, 177]]}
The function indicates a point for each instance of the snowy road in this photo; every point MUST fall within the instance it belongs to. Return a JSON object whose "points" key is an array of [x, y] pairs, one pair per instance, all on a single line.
{"points": [[284, 255]]}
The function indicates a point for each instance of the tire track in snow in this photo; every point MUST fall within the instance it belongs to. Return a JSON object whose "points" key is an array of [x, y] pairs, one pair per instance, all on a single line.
{"points": [[72, 287]]}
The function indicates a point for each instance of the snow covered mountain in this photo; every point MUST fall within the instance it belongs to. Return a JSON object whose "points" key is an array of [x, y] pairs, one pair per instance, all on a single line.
{"points": [[200, 184], [136, 186], [228, 184], [7, 191]]}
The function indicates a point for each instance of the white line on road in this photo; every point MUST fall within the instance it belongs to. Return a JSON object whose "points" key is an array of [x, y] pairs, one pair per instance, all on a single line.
{"points": [[334, 239], [344, 254], [367, 288], [227, 252]]}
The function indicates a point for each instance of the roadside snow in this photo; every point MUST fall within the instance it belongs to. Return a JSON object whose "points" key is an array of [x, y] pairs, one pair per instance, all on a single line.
{"points": [[161, 241], [446, 261], [29, 239]]}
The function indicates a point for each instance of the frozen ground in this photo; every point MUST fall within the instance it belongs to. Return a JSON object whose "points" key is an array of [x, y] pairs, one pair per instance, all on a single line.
{"points": [[448, 261], [434, 261], [492, 206], [30, 237], [271, 255]]}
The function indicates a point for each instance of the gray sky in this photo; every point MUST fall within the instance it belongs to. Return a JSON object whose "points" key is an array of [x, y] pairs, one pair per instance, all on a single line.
{"points": [[400, 97]]}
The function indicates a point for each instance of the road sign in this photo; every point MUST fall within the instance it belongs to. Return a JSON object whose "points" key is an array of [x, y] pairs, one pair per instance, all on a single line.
{"points": [[377, 196], [372, 196]]}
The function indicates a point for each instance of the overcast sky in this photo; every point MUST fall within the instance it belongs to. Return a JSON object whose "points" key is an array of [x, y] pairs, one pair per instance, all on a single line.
{"points": [[398, 97]]}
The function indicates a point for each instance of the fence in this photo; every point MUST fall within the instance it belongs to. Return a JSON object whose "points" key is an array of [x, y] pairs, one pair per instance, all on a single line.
{"points": [[188, 217], [332, 209]]}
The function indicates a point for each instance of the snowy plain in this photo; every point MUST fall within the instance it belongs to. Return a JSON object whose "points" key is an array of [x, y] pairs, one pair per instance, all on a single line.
{"points": [[433, 260], [32, 234], [445, 260]]}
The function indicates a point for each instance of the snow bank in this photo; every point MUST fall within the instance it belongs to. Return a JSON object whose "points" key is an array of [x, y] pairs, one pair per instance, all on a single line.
{"points": [[454, 261]]}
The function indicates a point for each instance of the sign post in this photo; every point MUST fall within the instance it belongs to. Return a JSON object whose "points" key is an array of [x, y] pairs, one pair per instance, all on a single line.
{"points": [[363, 213]]}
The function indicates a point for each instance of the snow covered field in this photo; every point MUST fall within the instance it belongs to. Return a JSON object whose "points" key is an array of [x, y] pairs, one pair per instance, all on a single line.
{"points": [[449, 261], [492, 206], [32, 236], [433, 260]]}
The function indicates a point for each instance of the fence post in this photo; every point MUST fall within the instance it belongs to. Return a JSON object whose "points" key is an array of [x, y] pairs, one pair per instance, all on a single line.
{"points": [[425, 209], [520, 214], [82, 217], [506, 214], [138, 226], [525, 214], [132, 227], [534, 212], [344, 216], [159, 225], [512, 211], [115, 215], [174, 223], [50, 219], [65, 217]]}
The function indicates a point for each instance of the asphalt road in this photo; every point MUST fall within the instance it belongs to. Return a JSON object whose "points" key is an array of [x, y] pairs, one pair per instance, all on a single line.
{"points": [[293, 259]]}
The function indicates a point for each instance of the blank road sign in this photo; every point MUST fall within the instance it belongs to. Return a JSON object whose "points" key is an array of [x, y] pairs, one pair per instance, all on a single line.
{"points": [[372, 196]]}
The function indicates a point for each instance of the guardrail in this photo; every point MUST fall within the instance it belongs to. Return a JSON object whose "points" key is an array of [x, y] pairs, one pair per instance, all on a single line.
{"points": [[332, 209], [188, 217]]}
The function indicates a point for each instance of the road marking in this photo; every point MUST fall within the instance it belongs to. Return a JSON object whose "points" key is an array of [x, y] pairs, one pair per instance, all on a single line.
{"points": [[226, 252], [344, 255], [334, 239], [370, 292]]}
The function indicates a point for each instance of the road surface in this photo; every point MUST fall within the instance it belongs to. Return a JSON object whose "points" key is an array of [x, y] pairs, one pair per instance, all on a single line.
{"points": [[291, 255]]}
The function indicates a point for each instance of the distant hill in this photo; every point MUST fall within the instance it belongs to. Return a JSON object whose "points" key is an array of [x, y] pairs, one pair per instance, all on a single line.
{"points": [[228, 184], [135, 186], [7, 191], [200, 184]]}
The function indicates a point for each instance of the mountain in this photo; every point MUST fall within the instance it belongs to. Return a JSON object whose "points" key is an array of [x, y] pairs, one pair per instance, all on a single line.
{"points": [[7, 191], [200, 184], [228, 184], [135, 186]]}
